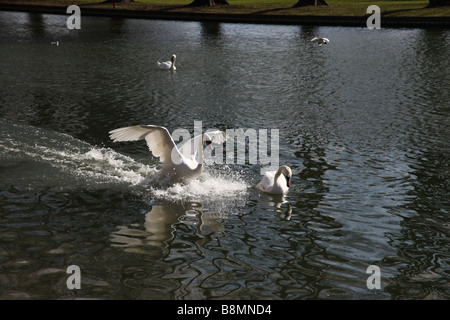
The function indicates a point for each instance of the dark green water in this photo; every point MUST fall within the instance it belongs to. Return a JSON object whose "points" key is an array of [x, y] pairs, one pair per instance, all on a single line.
{"points": [[363, 121]]}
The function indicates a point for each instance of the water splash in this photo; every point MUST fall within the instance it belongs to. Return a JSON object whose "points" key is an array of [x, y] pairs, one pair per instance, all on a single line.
{"points": [[214, 184], [106, 164], [43, 157]]}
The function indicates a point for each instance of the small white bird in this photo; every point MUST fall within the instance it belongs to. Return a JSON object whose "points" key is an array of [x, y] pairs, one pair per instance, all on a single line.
{"points": [[168, 65], [55, 43], [320, 41], [178, 165], [276, 182]]}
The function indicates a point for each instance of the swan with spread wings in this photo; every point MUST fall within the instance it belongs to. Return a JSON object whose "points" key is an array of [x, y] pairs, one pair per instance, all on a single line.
{"points": [[178, 164]]}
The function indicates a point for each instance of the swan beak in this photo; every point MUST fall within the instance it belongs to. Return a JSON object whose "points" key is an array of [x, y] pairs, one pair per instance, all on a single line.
{"points": [[208, 144], [288, 181]]}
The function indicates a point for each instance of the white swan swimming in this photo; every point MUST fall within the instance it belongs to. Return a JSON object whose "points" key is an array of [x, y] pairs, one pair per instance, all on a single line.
{"points": [[276, 182], [178, 164], [320, 41], [168, 65]]}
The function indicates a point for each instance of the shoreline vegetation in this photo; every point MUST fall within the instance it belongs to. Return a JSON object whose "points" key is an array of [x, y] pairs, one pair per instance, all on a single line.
{"points": [[394, 13]]}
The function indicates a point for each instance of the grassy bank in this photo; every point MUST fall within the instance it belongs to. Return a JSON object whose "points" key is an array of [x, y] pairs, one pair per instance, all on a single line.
{"points": [[347, 8]]}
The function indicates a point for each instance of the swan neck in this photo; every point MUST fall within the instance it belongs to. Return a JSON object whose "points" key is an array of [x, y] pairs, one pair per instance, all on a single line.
{"points": [[200, 152], [277, 174], [277, 180]]}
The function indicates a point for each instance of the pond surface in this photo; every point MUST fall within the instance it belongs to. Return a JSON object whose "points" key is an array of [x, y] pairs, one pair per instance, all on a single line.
{"points": [[364, 124]]}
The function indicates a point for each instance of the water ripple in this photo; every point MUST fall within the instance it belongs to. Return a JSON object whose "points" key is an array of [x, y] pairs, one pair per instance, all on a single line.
{"points": [[363, 122]]}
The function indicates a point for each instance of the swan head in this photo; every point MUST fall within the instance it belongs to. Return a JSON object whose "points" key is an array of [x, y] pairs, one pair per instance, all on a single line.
{"points": [[207, 140], [287, 172], [214, 137], [174, 57]]}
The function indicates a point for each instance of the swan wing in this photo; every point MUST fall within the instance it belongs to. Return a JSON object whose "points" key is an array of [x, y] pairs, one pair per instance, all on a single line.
{"points": [[189, 149], [217, 136], [270, 185], [164, 65], [267, 181], [158, 138]]}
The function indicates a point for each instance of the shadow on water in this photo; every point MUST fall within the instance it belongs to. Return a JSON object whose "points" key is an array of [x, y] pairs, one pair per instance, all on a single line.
{"points": [[116, 25], [37, 25], [307, 32], [211, 29]]}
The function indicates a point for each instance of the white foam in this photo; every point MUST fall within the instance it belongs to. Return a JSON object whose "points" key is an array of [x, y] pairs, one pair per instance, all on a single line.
{"points": [[212, 185], [103, 163]]}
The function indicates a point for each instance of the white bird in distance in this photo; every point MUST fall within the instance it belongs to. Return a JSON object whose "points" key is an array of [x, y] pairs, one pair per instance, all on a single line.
{"points": [[168, 65], [320, 41]]}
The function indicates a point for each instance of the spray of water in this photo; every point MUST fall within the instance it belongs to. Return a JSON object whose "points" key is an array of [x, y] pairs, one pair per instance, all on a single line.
{"points": [[213, 184], [62, 160]]}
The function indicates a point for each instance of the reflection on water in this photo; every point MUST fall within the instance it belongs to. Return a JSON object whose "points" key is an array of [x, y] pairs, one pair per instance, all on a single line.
{"points": [[363, 122], [279, 203], [158, 230], [159, 227]]}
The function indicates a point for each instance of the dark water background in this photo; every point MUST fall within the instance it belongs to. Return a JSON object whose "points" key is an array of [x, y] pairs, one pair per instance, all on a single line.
{"points": [[364, 124]]}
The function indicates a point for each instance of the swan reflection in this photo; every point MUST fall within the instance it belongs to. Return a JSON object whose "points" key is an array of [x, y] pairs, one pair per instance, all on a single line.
{"points": [[282, 207], [159, 227], [154, 232]]}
